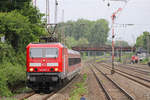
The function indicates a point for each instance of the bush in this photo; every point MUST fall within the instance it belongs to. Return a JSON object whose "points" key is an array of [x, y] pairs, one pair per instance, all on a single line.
{"points": [[11, 75], [4, 91]]}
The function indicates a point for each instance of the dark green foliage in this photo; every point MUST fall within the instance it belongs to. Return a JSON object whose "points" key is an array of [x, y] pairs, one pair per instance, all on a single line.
{"points": [[32, 13], [9, 5], [18, 30], [12, 69], [6, 51], [21, 24], [4, 91], [10, 76]]}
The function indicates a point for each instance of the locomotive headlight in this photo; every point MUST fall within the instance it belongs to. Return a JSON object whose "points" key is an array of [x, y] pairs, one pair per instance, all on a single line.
{"points": [[56, 69], [31, 69], [52, 64]]}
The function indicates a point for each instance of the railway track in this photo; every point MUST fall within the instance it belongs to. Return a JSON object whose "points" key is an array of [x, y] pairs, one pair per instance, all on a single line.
{"points": [[27, 96], [144, 71], [144, 79], [137, 79], [145, 67], [35, 96], [119, 92], [141, 71]]}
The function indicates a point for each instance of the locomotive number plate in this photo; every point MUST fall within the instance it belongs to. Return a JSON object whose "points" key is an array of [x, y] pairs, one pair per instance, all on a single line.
{"points": [[44, 69]]}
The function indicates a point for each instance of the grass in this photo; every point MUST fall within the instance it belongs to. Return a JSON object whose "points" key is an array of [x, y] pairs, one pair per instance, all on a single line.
{"points": [[23, 90], [101, 59], [79, 90]]}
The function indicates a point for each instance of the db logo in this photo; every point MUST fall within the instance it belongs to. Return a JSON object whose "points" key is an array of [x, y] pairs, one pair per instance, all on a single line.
{"points": [[43, 64]]}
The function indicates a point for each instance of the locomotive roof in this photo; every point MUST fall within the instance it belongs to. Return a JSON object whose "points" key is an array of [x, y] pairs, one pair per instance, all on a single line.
{"points": [[54, 44], [45, 44]]}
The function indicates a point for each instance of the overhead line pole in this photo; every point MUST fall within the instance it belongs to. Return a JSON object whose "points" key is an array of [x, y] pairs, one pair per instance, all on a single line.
{"points": [[35, 3], [48, 12], [56, 5]]}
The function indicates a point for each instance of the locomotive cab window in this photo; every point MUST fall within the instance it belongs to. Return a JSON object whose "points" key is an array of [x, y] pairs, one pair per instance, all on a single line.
{"points": [[35, 52], [44, 52], [51, 52]]}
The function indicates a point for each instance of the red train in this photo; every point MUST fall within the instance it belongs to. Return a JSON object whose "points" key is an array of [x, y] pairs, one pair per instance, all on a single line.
{"points": [[49, 64]]}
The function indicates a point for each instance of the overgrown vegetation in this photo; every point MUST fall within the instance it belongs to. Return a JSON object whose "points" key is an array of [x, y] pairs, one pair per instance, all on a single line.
{"points": [[20, 24]]}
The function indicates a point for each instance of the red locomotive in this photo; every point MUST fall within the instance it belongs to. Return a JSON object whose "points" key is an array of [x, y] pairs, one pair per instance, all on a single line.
{"points": [[49, 64]]}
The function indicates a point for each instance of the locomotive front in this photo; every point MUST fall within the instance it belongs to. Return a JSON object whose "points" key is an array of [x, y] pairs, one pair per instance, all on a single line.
{"points": [[44, 65]]}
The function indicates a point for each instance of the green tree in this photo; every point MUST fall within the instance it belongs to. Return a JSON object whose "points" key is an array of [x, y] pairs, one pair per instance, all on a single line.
{"points": [[141, 41], [82, 41], [32, 13], [95, 32], [9, 5], [18, 30], [99, 32], [21, 24], [70, 42]]}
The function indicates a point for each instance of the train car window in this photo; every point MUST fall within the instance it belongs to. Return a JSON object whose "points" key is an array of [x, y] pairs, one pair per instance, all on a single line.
{"points": [[35, 52], [51, 52], [73, 61]]}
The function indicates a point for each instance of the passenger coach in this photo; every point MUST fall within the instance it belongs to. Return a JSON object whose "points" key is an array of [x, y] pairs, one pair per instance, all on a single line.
{"points": [[50, 64]]}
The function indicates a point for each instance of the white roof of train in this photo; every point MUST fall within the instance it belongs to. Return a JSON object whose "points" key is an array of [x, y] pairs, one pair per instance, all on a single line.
{"points": [[73, 52]]}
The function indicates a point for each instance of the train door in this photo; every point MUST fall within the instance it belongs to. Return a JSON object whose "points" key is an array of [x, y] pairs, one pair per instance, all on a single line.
{"points": [[66, 60]]}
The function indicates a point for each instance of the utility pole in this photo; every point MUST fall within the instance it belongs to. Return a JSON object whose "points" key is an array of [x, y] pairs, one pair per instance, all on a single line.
{"points": [[56, 7], [63, 35], [63, 15], [34, 2], [48, 9], [47, 13]]}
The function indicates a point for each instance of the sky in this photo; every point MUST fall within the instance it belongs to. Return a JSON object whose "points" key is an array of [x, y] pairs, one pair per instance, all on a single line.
{"points": [[136, 12]]}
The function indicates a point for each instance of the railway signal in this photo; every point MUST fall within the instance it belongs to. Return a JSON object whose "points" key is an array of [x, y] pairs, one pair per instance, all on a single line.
{"points": [[113, 36], [113, 17]]}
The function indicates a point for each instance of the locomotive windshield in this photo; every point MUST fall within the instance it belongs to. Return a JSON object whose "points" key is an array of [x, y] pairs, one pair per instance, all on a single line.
{"points": [[43, 52]]}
